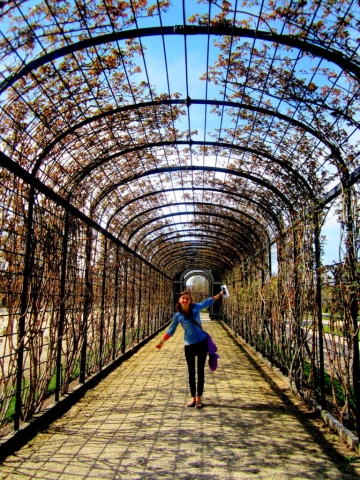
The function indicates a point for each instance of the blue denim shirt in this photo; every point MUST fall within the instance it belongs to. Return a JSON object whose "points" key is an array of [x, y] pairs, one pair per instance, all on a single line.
{"points": [[192, 333]]}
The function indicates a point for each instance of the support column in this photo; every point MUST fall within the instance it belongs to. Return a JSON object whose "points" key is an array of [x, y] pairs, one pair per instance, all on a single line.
{"points": [[116, 301], [123, 343], [351, 240], [23, 310], [62, 308], [87, 305], [318, 306], [102, 308]]}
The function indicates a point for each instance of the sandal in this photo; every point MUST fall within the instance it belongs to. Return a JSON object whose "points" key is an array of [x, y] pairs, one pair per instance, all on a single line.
{"points": [[198, 404], [191, 404]]}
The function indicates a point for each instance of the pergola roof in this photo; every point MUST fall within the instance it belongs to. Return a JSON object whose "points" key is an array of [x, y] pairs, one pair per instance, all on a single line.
{"points": [[193, 133]]}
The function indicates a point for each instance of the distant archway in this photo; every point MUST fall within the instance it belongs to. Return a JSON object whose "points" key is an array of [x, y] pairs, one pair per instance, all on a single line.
{"points": [[213, 282]]}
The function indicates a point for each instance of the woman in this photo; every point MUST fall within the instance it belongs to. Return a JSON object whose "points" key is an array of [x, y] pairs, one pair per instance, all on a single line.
{"points": [[188, 315]]}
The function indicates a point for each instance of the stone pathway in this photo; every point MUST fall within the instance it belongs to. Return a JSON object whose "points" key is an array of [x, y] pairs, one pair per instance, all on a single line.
{"points": [[134, 425]]}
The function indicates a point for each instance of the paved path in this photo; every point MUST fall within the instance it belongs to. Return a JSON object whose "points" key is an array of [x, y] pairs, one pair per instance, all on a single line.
{"points": [[134, 426]]}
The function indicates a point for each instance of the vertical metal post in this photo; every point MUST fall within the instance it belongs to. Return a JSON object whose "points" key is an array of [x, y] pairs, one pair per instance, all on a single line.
{"points": [[354, 292], [102, 308], [116, 299], [140, 324], [318, 305], [148, 302], [87, 304], [270, 311], [250, 313], [161, 309], [280, 255], [62, 307], [23, 310], [123, 343], [263, 313], [133, 304]]}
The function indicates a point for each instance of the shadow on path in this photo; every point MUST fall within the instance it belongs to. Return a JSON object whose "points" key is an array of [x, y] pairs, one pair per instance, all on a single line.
{"points": [[134, 425]]}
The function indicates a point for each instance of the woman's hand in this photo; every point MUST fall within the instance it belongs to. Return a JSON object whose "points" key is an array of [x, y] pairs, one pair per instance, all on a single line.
{"points": [[216, 297], [161, 343]]}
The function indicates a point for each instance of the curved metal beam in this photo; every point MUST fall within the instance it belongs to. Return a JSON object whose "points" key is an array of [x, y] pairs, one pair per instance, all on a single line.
{"points": [[198, 253], [202, 204], [199, 271], [99, 163], [220, 103], [201, 189], [201, 245], [223, 227], [182, 262], [210, 214], [188, 232], [190, 256], [298, 42], [196, 168]]}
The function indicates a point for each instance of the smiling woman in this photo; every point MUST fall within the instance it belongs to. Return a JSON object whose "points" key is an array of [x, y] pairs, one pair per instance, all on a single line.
{"points": [[142, 140], [195, 339]]}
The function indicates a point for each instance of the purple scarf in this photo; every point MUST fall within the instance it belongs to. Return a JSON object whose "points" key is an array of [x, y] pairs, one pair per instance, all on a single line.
{"points": [[213, 356]]}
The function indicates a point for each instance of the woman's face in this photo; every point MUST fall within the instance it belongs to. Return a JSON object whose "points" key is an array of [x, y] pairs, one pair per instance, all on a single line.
{"points": [[185, 301]]}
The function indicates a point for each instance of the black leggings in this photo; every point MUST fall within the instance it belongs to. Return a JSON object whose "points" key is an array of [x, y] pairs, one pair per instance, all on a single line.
{"points": [[191, 351]]}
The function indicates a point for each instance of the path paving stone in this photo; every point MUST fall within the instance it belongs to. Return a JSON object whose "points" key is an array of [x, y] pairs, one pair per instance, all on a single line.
{"points": [[134, 425]]}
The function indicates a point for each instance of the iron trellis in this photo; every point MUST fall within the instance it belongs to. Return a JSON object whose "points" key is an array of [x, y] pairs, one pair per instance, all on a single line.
{"points": [[123, 173]]}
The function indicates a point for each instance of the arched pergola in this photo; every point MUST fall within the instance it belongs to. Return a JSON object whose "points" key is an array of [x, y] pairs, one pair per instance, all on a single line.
{"points": [[142, 141]]}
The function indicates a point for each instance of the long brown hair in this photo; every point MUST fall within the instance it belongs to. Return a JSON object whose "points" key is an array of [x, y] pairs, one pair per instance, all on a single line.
{"points": [[178, 307]]}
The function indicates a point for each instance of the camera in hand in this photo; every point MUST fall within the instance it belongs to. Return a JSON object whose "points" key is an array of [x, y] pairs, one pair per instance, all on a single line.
{"points": [[225, 291]]}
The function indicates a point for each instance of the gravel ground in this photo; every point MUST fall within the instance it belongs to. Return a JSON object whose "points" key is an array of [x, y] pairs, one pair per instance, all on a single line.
{"points": [[134, 425]]}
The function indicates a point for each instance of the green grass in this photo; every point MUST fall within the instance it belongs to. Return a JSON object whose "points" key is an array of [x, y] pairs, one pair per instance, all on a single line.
{"points": [[335, 331], [339, 394]]}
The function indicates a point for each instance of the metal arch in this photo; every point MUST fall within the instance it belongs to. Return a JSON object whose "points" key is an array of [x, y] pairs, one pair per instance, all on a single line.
{"points": [[91, 167], [182, 261], [224, 227], [190, 168], [165, 237], [188, 231], [126, 108], [227, 261], [202, 244], [332, 56], [203, 204], [193, 258], [209, 214], [206, 272], [271, 214], [190, 254], [199, 249], [354, 178]]}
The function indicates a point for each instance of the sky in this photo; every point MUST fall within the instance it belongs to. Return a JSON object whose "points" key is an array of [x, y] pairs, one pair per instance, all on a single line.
{"points": [[176, 71], [331, 231]]}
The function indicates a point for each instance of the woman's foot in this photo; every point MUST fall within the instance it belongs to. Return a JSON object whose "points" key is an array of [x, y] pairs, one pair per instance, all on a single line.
{"points": [[198, 403], [192, 402]]}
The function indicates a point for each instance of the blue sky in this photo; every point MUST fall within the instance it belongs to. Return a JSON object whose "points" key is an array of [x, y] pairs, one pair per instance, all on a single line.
{"points": [[196, 61]]}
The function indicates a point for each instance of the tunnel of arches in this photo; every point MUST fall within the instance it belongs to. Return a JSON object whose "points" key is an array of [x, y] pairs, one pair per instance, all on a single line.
{"points": [[144, 143]]}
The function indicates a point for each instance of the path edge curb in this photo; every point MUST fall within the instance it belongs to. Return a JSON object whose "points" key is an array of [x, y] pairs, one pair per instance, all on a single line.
{"points": [[40, 421], [345, 434]]}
